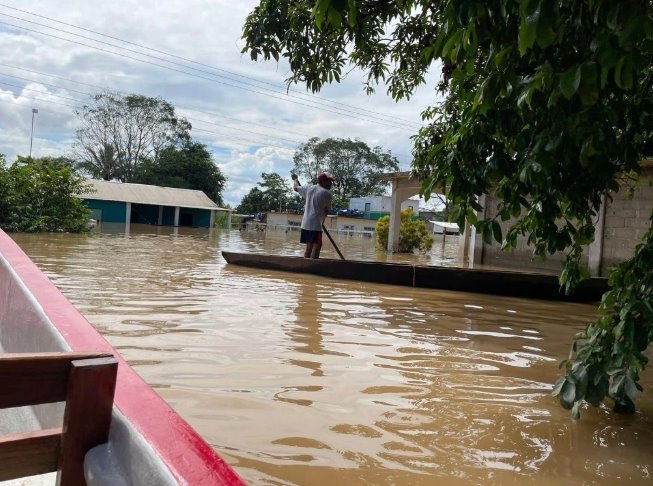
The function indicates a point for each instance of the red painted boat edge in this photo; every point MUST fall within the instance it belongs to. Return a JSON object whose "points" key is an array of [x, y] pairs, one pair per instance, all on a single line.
{"points": [[191, 460]]}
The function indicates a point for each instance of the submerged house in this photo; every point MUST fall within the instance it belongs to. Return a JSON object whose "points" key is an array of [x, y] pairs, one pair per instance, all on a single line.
{"points": [[620, 225], [115, 202]]}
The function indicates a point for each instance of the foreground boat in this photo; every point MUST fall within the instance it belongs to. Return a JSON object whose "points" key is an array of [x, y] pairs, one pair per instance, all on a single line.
{"points": [[517, 284], [148, 442]]}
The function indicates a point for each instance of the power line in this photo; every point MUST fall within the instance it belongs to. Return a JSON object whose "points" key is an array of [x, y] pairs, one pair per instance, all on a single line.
{"points": [[88, 94], [249, 140], [408, 122], [104, 88], [367, 118]]}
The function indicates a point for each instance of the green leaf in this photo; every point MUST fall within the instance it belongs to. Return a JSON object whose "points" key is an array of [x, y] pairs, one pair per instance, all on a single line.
{"points": [[613, 16], [617, 384], [630, 388], [496, 231], [501, 57], [352, 13], [452, 45], [335, 19], [617, 71], [569, 81], [545, 34], [567, 394], [487, 233], [557, 387], [589, 86], [527, 36], [595, 394]]}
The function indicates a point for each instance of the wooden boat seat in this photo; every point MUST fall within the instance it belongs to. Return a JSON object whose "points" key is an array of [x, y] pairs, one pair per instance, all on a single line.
{"points": [[85, 382]]}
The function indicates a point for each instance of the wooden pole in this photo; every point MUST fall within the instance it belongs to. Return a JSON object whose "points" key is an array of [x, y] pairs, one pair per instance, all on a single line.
{"points": [[332, 242]]}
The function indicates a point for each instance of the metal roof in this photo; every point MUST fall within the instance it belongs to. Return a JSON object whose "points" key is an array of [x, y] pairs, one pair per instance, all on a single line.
{"points": [[444, 224], [153, 195]]}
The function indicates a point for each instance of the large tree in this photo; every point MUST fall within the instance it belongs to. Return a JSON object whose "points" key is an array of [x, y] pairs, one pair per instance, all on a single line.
{"points": [[353, 163], [549, 107], [42, 194], [189, 166], [119, 132], [272, 193]]}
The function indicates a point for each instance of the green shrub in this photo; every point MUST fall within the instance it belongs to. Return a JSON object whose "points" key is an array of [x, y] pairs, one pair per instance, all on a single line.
{"points": [[412, 233], [42, 195]]}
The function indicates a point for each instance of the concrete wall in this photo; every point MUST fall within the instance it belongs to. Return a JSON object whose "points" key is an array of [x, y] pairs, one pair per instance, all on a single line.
{"points": [[522, 257], [380, 204], [339, 224], [626, 221], [112, 211]]}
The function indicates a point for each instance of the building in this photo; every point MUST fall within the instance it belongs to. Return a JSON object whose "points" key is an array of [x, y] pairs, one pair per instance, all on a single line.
{"points": [[348, 225], [115, 202], [621, 223], [375, 207]]}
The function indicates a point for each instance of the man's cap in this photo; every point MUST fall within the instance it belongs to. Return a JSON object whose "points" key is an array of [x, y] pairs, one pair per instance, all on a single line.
{"points": [[325, 176]]}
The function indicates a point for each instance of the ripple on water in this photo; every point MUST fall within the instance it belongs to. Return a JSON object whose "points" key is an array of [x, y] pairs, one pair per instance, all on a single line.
{"points": [[302, 380]]}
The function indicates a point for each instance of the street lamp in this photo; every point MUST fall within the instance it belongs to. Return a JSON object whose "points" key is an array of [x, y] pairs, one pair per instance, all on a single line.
{"points": [[31, 138]]}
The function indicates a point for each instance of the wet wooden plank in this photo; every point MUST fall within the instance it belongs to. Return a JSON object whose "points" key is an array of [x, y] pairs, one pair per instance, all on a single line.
{"points": [[87, 418], [35, 378], [29, 454]]}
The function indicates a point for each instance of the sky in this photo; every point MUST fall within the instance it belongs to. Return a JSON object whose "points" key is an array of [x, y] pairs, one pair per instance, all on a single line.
{"points": [[54, 55]]}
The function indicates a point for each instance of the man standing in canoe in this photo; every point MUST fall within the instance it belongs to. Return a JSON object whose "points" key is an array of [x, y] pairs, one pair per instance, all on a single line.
{"points": [[318, 204]]}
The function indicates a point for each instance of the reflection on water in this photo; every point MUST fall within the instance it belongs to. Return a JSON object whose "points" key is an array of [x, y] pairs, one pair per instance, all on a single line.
{"points": [[305, 381]]}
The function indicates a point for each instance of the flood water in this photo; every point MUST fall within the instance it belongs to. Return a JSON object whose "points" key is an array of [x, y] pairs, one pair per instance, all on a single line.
{"points": [[298, 380]]}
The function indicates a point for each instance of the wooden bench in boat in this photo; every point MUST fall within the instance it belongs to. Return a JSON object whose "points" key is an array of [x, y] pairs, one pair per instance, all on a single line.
{"points": [[85, 382]]}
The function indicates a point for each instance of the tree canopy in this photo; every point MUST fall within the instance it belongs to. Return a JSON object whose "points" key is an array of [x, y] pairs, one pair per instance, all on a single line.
{"points": [[549, 106], [41, 194], [189, 166], [119, 132], [272, 193], [352, 162]]}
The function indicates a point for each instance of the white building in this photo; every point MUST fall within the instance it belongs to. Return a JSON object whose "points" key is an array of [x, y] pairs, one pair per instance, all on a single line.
{"points": [[375, 207]]}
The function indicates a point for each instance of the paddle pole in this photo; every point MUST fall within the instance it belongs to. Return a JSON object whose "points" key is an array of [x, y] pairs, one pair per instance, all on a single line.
{"points": [[332, 242]]}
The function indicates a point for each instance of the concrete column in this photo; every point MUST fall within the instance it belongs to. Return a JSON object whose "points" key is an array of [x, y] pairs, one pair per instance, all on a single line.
{"points": [[463, 245], [212, 219], [596, 247], [229, 219], [128, 216], [395, 218], [475, 240], [160, 221], [176, 223]]}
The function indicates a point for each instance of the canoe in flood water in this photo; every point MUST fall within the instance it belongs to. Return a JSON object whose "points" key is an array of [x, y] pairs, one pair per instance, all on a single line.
{"points": [[148, 442], [516, 284]]}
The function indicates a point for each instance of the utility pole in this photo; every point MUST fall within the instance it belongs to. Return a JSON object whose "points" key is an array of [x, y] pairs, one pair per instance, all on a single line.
{"points": [[31, 138]]}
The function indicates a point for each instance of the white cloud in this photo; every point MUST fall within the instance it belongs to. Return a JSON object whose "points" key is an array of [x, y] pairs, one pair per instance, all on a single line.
{"points": [[240, 110]]}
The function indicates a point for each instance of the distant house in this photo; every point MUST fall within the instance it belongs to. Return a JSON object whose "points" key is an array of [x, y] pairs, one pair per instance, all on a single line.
{"points": [[375, 207], [443, 228], [115, 202], [336, 224]]}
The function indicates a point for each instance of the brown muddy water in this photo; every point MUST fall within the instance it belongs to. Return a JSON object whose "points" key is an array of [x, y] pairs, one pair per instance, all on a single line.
{"points": [[297, 380]]}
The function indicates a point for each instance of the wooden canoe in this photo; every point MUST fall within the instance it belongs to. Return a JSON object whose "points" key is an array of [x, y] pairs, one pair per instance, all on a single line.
{"points": [[148, 442], [516, 284]]}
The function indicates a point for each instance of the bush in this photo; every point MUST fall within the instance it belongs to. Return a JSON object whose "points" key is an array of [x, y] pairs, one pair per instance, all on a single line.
{"points": [[42, 195], [412, 233]]}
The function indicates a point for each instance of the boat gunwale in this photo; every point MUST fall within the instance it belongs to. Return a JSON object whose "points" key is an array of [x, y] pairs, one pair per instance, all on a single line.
{"points": [[488, 281]]}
